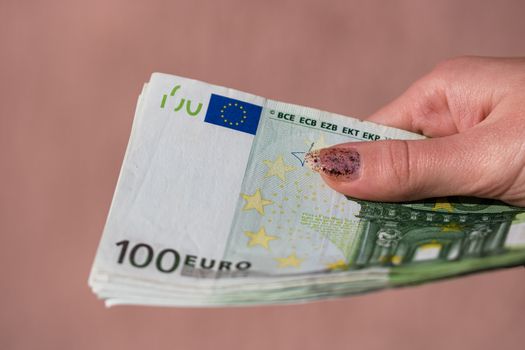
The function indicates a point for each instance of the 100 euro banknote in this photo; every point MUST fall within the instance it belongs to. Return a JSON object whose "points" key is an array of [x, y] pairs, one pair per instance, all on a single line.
{"points": [[215, 206]]}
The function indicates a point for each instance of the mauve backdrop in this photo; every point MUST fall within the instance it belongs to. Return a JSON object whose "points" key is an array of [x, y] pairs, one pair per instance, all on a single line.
{"points": [[70, 73]]}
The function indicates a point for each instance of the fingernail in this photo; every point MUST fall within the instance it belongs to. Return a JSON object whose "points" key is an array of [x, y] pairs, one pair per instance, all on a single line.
{"points": [[342, 164]]}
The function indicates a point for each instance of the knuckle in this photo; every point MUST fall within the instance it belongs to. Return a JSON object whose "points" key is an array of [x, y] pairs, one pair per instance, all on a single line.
{"points": [[452, 64], [398, 168]]}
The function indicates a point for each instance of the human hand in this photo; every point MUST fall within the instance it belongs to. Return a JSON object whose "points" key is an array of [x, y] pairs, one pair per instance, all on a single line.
{"points": [[474, 111]]}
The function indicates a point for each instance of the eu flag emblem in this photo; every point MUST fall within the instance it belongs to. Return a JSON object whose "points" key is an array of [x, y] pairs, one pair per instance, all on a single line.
{"points": [[233, 114]]}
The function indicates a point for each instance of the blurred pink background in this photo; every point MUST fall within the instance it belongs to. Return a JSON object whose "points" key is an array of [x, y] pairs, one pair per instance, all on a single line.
{"points": [[70, 73]]}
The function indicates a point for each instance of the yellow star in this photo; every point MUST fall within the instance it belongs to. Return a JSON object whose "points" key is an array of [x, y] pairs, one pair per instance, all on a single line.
{"points": [[255, 201], [443, 205], [259, 238], [277, 168], [291, 260], [338, 265]]}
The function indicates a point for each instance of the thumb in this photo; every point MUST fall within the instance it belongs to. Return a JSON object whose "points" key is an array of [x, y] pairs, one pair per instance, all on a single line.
{"points": [[397, 170]]}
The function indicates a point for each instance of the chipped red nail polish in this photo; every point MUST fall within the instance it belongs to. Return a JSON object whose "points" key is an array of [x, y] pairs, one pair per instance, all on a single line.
{"points": [[342, 164]]}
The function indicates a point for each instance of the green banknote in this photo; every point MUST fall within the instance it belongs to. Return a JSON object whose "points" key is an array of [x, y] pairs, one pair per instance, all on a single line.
{"points": [[216, 206]]}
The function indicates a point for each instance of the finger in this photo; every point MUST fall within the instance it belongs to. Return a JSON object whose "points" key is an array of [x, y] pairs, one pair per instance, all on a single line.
{"points": [[423, 109], [397, 114], [398, 170]]}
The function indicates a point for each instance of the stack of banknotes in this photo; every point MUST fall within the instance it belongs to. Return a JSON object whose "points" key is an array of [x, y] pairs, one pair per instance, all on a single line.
{"points": [[215, 206]]}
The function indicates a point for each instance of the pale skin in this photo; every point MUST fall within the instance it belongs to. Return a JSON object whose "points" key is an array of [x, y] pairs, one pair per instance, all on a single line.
{"points": [[473, 110]]}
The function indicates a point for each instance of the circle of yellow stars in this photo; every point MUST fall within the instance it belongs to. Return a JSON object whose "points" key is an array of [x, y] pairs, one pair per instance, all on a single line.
{"points": [[230, 122]]}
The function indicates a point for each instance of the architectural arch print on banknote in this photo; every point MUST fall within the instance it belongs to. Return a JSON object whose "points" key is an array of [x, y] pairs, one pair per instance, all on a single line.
{"points": [[439, 232]]}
